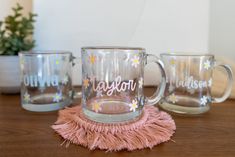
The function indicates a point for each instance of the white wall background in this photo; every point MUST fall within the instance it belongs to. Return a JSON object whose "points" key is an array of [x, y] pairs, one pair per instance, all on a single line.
{"points": [[222, 36], [222, 28], [157, 25]]}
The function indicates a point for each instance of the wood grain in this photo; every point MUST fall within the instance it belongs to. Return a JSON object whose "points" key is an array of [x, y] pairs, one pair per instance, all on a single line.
{"points": [[28, 134]]}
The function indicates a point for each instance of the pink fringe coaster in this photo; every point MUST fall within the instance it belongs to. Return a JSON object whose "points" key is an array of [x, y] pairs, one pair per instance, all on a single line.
{"points": [[151, 129]]}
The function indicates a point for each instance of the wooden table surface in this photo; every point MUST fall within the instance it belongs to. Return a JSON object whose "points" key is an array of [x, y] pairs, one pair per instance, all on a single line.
{"points": [[28, 134]]}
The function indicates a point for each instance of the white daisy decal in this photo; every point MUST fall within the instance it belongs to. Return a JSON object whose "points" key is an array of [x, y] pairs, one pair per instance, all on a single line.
{"points": [[210, 82], [135, 61], [26, 97], [173, 98], [57, 97], [207, 64], [203, 100], [141, 82], [133, 106], [65, 80], [96, 107]]}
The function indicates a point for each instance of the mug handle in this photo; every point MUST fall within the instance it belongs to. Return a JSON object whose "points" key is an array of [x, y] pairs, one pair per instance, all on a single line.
{"points": [[229, 87], [75, 94], [158, 94]]}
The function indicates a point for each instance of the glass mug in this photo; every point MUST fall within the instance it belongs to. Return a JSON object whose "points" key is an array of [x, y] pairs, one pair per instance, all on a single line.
{"points": [[112, 88], [189, 81], [46, 83]]}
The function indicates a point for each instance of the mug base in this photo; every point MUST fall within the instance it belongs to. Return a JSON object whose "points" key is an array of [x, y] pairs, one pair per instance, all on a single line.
{"points": [[111, 118], [45, 106], [174, 108]]}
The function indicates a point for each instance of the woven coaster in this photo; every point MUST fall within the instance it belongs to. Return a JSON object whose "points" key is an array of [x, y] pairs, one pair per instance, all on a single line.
{"points": [[154, 127]]}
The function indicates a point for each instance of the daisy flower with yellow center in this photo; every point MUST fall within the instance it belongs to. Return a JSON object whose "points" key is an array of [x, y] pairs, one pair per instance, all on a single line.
{"points": [[96, 107], [85, 83], [26, 97], [135, 61], [173, 98], [133, 105], [92, 59], [172, 62], [207, 64]]}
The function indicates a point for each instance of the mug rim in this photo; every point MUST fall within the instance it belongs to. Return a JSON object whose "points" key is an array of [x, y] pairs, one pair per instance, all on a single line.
{"points": [[112, 48], [44, 52], [186, 55]]}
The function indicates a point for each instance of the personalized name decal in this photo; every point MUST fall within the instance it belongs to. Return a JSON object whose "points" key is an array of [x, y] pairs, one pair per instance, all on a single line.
{"points": [[46, 80], [117, 85], [191, 83], [35, 80]]}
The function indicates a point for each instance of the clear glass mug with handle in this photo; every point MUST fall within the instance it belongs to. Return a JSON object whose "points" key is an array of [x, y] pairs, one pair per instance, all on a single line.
{"points": [[46, 80], [112, 83], [189, 82]]}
